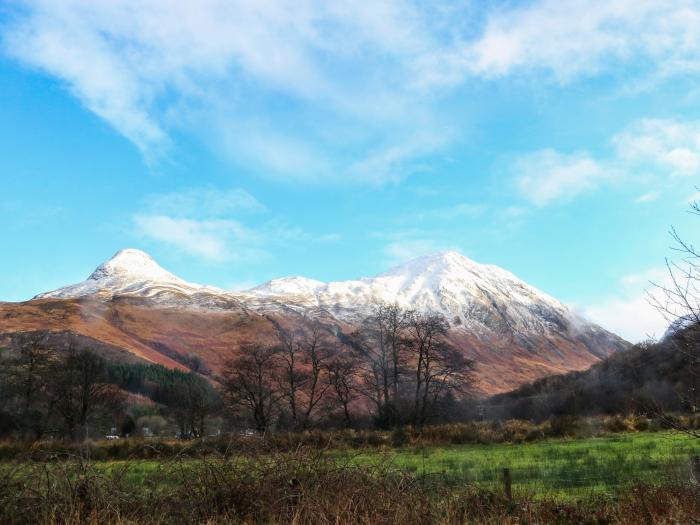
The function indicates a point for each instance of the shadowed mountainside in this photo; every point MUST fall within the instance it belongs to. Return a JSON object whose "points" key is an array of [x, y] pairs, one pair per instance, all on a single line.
{"points": [[649, 378], [132, 309]]}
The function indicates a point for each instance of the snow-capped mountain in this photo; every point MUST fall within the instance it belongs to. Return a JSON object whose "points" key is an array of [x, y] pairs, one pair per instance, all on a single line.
{"points": [[474, 297], [471, 295], [130, 306], [130, 271], [133, 273]]}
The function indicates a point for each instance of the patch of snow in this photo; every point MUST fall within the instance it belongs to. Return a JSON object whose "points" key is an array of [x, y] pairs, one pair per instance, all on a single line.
{"points": [[476, 297], [129, 271]]}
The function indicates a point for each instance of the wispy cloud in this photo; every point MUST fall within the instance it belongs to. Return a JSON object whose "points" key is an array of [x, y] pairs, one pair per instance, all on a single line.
{"points": [[584, 37], [216, 240], [240, 286], [344, 80], [399, 246], [397, 252], [630, 312], [632, 318], [207, 202], [650, 196], [672, 146], [216, 225], [449, 213], [357, 90], [648, 150], [547, 175], [692, 199]]}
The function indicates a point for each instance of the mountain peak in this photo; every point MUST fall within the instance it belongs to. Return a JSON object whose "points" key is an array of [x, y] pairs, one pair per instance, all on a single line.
{"points": [[130, 257], [440, 262], [132, 264], [128, 270], [289, 285]]}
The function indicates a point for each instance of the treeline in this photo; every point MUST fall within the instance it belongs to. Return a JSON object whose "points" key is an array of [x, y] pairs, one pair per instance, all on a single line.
{"points": [[652, 378], [186, 398], [43, 391], [398, 368], [64, 392]]}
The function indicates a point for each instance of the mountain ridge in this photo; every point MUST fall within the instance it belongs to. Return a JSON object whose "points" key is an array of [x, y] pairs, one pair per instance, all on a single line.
{"points": [[426, 283], [515, 332]]}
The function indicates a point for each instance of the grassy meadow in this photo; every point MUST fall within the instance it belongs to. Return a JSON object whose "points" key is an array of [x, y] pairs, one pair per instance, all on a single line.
{"points": [[603, 479], [567, 468], [557, 468], [561, 468]]}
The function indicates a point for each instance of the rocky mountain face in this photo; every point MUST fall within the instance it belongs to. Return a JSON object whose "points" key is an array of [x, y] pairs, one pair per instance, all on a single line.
{"points": [[138, 310]]}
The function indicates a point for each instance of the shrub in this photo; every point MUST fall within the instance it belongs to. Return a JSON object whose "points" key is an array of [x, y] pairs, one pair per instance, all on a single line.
{"points": [[399, 437], [562, 426], [303, 487]]}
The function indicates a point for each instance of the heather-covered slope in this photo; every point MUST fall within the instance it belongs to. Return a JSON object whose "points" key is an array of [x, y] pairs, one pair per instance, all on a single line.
{"points": [[513, 331], [650, 378]]}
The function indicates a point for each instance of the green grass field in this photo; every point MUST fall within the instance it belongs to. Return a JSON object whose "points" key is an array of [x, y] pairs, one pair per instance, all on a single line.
{"points": [[562, 469], [557, 468]]}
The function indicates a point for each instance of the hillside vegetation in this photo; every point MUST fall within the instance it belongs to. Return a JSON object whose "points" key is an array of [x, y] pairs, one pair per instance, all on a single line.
{"points": [[650, 378]]}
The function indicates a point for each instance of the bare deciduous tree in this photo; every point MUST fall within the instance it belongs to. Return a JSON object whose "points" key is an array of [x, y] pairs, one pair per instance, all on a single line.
{"points": [[382, 343], [189, 402], [303, 382], [79, 390], [407, 365], [342, 378], [438, 367], [678, 299], [251, 384], [291, 378], [315, 349], [26, 376]]}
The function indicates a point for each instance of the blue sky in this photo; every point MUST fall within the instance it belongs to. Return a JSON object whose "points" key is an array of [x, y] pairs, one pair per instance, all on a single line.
{"points": [[241, 141]]}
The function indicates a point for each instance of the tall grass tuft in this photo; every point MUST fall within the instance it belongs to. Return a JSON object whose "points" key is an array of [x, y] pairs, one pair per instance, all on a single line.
{"points": [[301, 487]]}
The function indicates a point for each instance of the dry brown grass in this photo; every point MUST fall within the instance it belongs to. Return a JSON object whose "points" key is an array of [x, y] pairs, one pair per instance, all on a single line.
{"points": [[475, 432], [303, 487]]}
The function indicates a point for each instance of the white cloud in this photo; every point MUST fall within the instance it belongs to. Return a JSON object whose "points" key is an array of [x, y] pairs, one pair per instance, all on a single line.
{"points": [[207, 223], [511, 212], [215, 240], [547, 175], [404, 250], [648, 197], [455, 212], [459, 211], [585, 37], [695, 197], [405, 246], [630, 313], [341, 77], [633, 319], [646, 151], [351, 83], [240, 286], [207, 202], [672, 146], [634, 281]]}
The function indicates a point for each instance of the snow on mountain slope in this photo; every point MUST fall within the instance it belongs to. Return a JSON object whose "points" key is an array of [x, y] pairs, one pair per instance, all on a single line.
{"points": [[477, 297], [515, 333], [482, 299], [130, 271]]}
